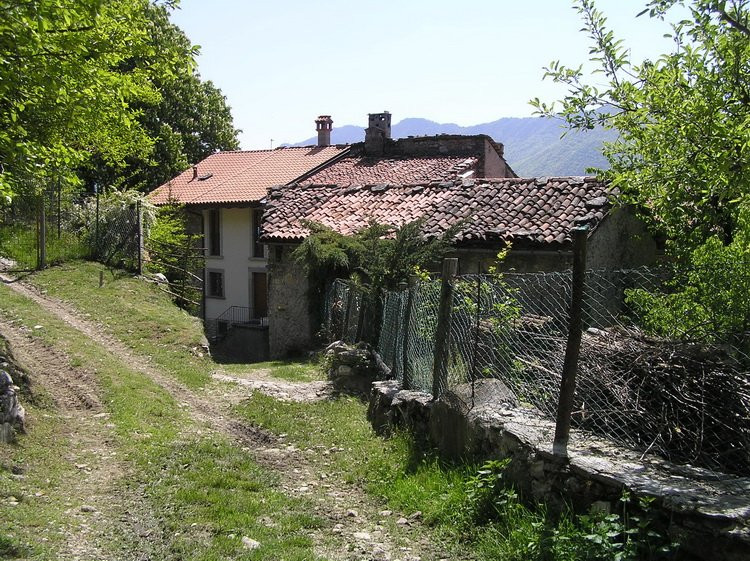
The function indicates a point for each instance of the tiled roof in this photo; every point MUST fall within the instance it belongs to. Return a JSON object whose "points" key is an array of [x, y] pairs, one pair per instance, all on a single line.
{"points": [[364, 170], [531, 211], [242, 176]]}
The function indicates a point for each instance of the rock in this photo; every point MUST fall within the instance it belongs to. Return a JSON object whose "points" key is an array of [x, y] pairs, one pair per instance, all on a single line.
{"points": [[416, 515], [402, 521], [12, 414], [250, 543], [160, 278], [364, 536], [87, 508], [351, 513], [385, 513]]}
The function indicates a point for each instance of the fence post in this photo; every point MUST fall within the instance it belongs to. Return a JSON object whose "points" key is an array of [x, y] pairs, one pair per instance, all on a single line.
{"points": [[443, 331], [568, 384], [96, 226], [407, 381], [59, 208], [139, 218], [42, 239], [349, 305]]}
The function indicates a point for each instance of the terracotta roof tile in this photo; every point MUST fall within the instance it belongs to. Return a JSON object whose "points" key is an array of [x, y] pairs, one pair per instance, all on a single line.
{"points": [[242, 176], [364, 170], [531, 211]]}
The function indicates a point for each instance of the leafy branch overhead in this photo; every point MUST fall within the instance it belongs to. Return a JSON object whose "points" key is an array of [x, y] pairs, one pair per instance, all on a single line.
{"points": [[683, 152], [682, 157], [378, 256], [78, 79]]}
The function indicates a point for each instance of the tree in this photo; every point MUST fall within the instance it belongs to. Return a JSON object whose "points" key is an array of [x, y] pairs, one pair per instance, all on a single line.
{"points": [[187, 122], [66, 92], [683, 152]]}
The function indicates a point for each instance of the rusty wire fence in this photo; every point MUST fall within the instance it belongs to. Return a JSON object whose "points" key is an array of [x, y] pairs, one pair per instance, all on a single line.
{"points": [[687, 401]]}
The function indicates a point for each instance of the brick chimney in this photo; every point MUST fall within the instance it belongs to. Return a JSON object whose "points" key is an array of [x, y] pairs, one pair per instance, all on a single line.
{"points": [[377, 132], [324, 126]]}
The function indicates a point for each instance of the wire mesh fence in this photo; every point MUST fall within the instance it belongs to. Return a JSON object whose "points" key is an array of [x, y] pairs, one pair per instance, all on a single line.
{"points": [[40, 228], [687, 401]]}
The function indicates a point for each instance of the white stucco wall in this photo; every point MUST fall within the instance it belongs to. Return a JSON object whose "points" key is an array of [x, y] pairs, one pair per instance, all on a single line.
{"points": [[235, 260]]}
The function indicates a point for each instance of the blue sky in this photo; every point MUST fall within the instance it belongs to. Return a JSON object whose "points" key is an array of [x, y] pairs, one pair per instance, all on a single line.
{"points": [[280, 64]]}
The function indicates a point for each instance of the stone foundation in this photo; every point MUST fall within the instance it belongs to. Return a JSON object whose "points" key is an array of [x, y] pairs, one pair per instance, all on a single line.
{"points": [[707, 513]]}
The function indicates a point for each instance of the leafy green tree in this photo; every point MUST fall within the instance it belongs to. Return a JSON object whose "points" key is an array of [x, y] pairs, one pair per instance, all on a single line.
{"points": [[66, 92], [187, 122], [683, 152]]}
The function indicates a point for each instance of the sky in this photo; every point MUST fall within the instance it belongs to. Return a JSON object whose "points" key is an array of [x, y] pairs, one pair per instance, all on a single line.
{"points": [[282, 63]]}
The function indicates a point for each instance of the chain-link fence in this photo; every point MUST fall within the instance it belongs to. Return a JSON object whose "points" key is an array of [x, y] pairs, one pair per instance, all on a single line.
{"points": [[40, 228], [48, 226], [687, 401]]}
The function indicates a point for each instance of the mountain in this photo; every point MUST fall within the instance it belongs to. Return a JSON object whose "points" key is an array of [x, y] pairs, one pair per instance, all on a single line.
{"points": [[533, 145]]}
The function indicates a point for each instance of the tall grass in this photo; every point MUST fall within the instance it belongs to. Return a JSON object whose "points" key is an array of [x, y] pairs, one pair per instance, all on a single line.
{"points": [[19, 243]]}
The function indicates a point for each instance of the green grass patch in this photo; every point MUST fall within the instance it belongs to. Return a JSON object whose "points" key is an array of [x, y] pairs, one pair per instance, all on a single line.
{"points": [[20, 244], [469, 507], [291, 371], [136, 312], [206, 493]]}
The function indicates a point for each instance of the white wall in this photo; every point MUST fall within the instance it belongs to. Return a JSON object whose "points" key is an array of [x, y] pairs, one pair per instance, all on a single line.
{"points": [[235, 260]]}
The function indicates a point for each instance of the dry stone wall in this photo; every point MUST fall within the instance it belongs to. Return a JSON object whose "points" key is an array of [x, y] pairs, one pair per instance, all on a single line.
{"points": [[707, 513]]}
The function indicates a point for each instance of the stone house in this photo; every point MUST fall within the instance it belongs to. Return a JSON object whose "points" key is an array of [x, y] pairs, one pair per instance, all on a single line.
{"points": [[226, 193], [535, 215]]}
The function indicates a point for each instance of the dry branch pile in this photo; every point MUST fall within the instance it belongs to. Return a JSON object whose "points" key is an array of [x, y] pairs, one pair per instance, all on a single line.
{"points": [[686, 402]]}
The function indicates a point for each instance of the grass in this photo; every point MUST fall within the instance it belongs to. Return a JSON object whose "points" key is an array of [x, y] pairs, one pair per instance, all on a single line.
{"points": [[137, 313], [20, 244], [291, 371], [468, 506], [205, 492]]}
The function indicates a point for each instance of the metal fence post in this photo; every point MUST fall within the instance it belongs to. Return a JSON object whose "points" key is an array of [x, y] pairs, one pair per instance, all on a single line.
{"points": [[139, 218], [568, 385], [42, 239], [406, 373], [443, 331], [96, 225]]}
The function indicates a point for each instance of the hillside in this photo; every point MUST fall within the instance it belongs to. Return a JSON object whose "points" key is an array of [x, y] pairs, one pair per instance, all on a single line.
{"points": [[533, 145]]}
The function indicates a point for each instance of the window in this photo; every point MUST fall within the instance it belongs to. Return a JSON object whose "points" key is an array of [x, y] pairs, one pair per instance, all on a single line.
{"points": [[214, 231], [215, 284], [258, 249]]}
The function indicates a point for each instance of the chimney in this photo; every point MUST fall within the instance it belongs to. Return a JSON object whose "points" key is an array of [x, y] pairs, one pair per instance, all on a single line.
{"points": [[377, 132], [324, 125]]}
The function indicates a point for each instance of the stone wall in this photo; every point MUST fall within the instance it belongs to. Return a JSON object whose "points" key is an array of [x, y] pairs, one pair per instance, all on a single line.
{"points": [[707, 513], [290, 321]]}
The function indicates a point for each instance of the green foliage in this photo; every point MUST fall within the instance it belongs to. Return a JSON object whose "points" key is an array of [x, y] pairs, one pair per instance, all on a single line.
{"points": [[683, 151], [187, 122], [708, 301], [376, 258], [104, 86]]}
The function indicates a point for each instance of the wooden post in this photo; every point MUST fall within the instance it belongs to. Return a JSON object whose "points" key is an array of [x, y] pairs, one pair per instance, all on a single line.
{"points": [[396, 365], [568, 385], [443, 331], [407, 383], [42, 239]]}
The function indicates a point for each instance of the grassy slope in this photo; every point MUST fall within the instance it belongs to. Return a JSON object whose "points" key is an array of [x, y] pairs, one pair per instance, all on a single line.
{"points": [[205, 492]]}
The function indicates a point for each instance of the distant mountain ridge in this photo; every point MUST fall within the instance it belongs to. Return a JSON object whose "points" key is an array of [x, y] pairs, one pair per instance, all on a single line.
{"points": [[533, 145]]}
